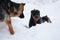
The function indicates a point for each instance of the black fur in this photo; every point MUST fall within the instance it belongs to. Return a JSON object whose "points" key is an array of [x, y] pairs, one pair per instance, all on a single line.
{"points": [[35, 12], [15, 6], [46, 18], [32, 22], [40, 20], [3, 8], [6, 6], [1, 14], [9, 9], [21, 16]]}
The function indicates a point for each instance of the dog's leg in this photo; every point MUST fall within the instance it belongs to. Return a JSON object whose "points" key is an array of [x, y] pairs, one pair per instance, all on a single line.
{"points": [[11, 12], [38, 22], [31, 22], [8, 22]]}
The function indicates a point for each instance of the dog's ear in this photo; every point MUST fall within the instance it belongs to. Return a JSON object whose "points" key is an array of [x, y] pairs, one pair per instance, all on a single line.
{"points": [[46, 16], [32, 11]]}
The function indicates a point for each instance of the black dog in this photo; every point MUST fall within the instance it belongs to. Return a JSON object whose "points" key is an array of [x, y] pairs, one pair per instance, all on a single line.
{"points": [[36, 19]]}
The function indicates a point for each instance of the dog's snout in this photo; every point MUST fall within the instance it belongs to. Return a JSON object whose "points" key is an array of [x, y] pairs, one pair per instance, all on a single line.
{"points": [[21, 16], [36, 17]]}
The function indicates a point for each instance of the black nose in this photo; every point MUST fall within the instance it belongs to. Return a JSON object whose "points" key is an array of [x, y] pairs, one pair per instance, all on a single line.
{"points": [[36, 17], [21, 16]]}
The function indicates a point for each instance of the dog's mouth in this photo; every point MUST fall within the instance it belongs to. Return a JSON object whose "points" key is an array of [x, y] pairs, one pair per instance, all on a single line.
{"points": [[36, 18], [21, 16]]}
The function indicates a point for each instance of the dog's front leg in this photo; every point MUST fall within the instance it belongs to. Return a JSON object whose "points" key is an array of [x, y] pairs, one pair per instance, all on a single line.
{"points": [[8, 22]]}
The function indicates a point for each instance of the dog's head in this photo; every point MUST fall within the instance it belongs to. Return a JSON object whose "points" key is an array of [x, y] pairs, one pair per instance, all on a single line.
{"points": [[20, 10], [46, 18], [35, 14], [17, 9]]}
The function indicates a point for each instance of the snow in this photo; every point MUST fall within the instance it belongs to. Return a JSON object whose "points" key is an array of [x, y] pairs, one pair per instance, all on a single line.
{"points": [[44, 31]]}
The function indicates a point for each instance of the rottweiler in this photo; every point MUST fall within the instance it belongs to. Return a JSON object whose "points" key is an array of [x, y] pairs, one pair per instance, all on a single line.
{"points": [[37, 19]]}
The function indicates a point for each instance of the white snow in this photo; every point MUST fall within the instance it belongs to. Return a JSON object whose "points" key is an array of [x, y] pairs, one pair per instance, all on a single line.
{"points": [[44, 31]]}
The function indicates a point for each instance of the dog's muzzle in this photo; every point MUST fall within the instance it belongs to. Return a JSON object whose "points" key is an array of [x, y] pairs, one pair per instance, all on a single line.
{"points": [[21, 16], [36, 18]]}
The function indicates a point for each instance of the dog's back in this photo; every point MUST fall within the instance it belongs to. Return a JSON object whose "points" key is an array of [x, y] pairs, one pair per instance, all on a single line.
{"points": [[3, 8], [46, 18], [14, 5]]}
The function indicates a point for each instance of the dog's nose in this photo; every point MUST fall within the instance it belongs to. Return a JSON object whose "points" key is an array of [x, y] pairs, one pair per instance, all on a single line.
{"points": [[21, 16], [36, 16]]}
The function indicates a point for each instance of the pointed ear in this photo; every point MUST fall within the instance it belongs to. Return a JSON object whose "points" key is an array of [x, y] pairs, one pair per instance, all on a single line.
{"points": [[46, 16], [31, 11]]}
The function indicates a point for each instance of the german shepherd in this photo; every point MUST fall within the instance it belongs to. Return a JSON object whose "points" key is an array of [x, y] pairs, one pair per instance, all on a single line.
{"points": [[10, 9]]}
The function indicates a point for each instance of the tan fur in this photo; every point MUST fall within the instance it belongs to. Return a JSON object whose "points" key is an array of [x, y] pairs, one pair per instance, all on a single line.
{"points": [[11, 14], [20, 10], [36, 18], [8, 22]]}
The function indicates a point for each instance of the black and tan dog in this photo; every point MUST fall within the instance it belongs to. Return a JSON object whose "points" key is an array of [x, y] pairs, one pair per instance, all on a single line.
{"points": [[36, 19], [14, 7], [10, 9]]}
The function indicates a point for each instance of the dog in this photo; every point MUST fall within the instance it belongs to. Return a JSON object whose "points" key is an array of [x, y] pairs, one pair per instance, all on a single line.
{"points": [[10, 9], [45, 19], [15, 7], [35, 16], [37, 19]]}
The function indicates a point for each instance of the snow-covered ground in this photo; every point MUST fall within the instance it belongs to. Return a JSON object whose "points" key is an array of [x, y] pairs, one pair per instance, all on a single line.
{"points": [[44, 31]]}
